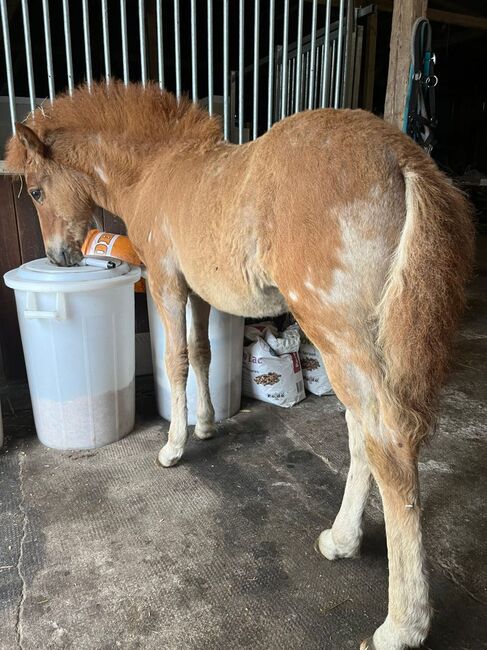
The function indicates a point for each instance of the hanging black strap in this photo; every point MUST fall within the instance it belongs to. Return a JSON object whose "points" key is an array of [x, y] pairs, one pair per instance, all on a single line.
{"points": [[420, 114]]}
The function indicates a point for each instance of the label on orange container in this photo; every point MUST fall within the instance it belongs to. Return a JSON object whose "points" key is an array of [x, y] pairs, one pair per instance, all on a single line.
{"points": [[107, 244]]}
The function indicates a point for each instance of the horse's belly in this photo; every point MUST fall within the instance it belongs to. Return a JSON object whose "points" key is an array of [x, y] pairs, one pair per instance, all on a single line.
{"points": [[249, 301]]}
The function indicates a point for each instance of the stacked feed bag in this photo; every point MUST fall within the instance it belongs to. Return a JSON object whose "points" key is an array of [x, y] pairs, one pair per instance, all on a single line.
{"points": [[271, 366]]}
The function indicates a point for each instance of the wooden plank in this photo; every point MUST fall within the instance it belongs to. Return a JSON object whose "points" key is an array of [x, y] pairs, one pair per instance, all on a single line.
{"points": [[404, 15], [446, 17], [10, 258], [370, 56], [30, 237], [462, 20]]}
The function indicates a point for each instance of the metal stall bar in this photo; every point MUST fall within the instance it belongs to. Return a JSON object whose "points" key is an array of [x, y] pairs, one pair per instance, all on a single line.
{"points": [[255, 107], [306, 72], [160, 45], [210, 56], [339, 55], [143, 62], [297, 106], [106, 40], [194, 53], [177, 48], [67, 41], [86, 36], [326, 58], [332, 68], [312, 63], [270, 82], [350, 36], [321, 77], [316, 93], [125, 50], [285, 46], [357, 66], [278, 84], [8, 63], [47, 38], [28, 55], [241, 53], [292, 77], [226, 112]]}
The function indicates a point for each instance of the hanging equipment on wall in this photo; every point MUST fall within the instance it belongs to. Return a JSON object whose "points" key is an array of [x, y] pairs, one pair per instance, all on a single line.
{"points": [[420, 112]]}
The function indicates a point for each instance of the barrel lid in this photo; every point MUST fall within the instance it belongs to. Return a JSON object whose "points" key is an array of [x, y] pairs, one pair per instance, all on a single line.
{"points": [[43, 270], [42, 275]]}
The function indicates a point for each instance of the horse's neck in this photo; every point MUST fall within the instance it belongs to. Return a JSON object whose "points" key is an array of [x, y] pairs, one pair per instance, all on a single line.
{"points": [[126, 177], [117, 170]]}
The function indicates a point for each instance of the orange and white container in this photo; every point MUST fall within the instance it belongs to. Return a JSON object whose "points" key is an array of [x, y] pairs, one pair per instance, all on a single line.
{"points": [[107, 245]]}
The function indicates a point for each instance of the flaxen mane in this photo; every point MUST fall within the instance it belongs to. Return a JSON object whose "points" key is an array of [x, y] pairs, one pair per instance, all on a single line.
{"points": [[134, 113]]}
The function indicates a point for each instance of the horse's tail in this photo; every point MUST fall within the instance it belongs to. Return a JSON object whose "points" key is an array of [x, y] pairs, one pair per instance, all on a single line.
{"points": [[425, 294]]}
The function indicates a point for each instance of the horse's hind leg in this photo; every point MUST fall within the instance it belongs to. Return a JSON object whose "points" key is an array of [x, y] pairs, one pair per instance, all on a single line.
{"points": [[199, 358], [344, 537], [393, 460]]}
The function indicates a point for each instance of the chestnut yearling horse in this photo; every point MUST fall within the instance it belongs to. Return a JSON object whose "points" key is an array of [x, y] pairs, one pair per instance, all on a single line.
{"points": [[333, 215]]}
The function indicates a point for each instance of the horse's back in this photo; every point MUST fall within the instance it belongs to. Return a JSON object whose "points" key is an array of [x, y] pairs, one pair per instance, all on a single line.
{"points": [[313, 208]]}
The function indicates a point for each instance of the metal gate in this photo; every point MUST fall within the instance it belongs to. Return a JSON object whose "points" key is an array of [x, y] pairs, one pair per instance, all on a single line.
{"points": [[236, 58]]}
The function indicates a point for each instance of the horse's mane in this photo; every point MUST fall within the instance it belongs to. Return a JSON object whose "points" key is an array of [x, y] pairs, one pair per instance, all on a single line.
{"points": [[136, 113]]}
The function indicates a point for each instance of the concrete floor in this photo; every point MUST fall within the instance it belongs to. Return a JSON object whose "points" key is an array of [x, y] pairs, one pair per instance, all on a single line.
{"points": [[105, 549]]}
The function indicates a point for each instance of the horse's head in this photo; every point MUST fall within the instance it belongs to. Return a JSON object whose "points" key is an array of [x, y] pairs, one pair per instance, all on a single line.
{"points": [[60, 195]]}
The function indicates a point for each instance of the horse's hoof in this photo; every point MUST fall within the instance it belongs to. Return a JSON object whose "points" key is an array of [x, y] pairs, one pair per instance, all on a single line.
{"points": [[389, 636], [169, 456], [368, 644], [205, 431], [327, 547]]}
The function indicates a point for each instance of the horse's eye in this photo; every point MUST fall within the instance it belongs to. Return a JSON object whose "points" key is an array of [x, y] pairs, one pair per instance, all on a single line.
{"points": [[36, 194]]}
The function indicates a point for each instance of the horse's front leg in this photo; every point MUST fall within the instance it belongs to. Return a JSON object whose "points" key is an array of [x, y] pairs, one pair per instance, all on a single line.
{"points": [[200, 357], [171, 297]]}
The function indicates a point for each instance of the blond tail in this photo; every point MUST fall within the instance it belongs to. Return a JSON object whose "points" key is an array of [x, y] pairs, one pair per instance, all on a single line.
{"points": [[424, 296]]}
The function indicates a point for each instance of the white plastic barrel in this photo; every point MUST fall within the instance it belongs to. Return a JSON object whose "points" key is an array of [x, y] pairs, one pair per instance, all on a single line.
{"points": [[77, 326], [226, 340]]}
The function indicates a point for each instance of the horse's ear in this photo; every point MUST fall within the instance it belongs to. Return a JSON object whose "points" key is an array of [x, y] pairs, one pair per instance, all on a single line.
{"points": [[30, 140]]}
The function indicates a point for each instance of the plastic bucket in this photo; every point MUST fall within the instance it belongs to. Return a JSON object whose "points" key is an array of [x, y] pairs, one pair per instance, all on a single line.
{"points": [[226, 340], [77, 326]]}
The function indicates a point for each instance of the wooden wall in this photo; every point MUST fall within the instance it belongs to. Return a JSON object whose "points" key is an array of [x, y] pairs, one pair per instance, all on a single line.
{"points": [[21, 241]]}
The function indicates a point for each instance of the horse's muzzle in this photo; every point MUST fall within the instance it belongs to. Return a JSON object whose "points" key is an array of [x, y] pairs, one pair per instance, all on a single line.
{"points": [[66, 256]]}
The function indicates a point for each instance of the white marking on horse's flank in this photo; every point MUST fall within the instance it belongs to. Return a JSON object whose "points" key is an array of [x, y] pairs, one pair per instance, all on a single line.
{"points": [[320, 293], [149, 236], [101, 174], [293, 296]]}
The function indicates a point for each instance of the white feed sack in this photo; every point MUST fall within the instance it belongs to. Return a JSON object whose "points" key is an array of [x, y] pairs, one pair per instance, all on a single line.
{"points": [[314, 373], [271, 367]]}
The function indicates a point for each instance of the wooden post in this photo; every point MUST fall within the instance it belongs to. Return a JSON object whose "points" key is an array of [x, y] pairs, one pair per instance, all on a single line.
{"points": [[404, 15], [370, 56]]}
